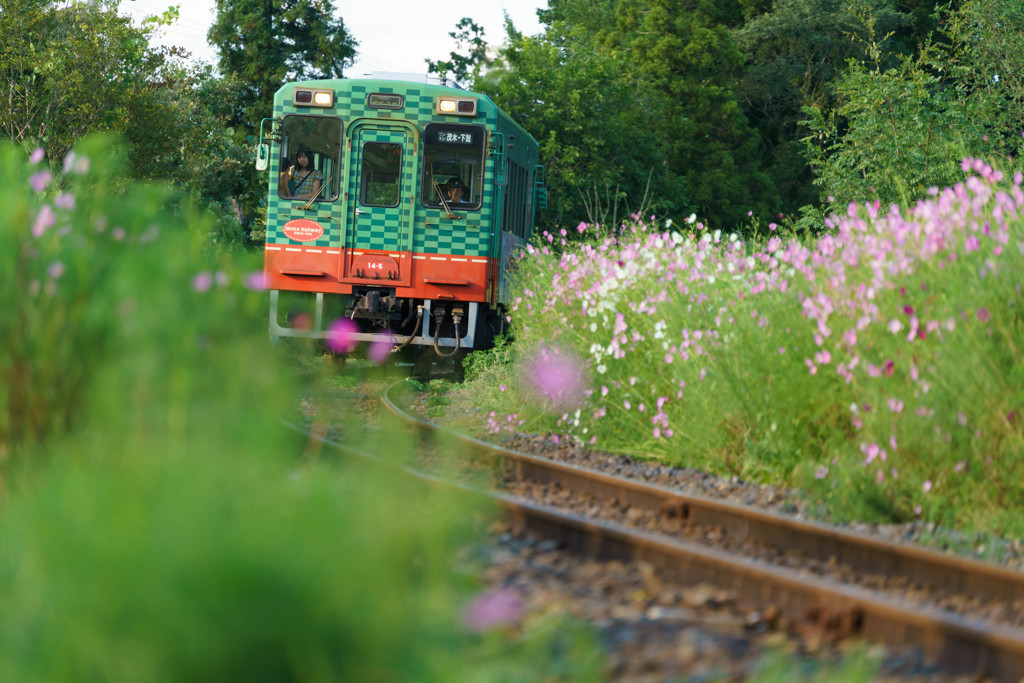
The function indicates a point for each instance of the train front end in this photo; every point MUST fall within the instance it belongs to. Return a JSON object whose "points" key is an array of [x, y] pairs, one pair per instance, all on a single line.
{"points": [[366, 236]]}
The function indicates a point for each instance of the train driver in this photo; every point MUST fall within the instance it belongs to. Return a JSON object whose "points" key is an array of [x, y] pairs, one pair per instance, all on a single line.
{"points": [[455, 191]]}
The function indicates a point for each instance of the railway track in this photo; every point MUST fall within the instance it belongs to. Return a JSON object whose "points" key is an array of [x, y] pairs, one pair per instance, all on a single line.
{"points": [[963, 615]]}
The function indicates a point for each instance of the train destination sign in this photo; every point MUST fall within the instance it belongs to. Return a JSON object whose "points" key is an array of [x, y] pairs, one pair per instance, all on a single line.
{"points": [[455, 135]]}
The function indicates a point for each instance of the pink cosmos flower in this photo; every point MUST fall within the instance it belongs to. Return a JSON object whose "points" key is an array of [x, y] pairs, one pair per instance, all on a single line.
{"points": [[40, 180], [557, 378], [341, 335], [379, 349], [492, 609], [202, 282], [44, 219], [256, 281]]}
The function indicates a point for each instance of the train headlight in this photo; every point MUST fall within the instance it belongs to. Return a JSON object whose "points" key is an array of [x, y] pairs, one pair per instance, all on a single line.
{"points": [[456, 106], [313, 98]]}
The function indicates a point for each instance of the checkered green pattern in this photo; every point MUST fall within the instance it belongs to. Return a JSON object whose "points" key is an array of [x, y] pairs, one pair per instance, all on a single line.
{"points": [[378, 228]]}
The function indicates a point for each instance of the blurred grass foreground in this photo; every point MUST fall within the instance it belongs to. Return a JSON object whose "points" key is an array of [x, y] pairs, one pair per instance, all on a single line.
{"points": [[158, 522]]}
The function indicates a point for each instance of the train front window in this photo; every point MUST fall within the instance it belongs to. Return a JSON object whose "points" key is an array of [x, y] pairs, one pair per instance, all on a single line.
{"points": [[453, 158], [318, 140], [381, 175]]}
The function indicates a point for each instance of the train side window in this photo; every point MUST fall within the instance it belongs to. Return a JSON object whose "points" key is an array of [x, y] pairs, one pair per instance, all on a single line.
{"points": [[320, 137], [453, 152], [380, 180]]}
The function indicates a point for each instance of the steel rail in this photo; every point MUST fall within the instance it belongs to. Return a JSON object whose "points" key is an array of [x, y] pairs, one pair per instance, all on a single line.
{"points": [[862, 552], [957, 643]]}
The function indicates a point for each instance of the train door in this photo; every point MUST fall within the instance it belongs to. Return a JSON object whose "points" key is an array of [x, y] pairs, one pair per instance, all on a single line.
{"points": [[380, 202]]}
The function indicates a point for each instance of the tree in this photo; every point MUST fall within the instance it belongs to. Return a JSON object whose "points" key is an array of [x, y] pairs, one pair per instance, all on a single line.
{"points": [[68, 69], [594, 125], [683, 50], [469, 37], [896, 131], [794, 52], [263, 43]]}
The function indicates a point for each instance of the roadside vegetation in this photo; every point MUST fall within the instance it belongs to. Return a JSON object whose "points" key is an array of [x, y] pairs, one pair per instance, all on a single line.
{"points": [[876, 367], [159, 522]]}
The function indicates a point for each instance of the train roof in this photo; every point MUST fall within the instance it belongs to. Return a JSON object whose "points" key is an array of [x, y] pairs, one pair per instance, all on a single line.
{"points": [[397, 83]]}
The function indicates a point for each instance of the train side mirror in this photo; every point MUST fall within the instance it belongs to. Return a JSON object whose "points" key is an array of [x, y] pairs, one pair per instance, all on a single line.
{"points": [[262, 157]]}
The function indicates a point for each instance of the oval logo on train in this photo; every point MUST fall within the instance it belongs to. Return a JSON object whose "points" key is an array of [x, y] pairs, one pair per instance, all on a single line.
{"points": [[303, 230]]}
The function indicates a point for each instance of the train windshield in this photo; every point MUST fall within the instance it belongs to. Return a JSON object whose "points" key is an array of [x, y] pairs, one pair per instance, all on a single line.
{"points": [[318, 140], [453, 165]]}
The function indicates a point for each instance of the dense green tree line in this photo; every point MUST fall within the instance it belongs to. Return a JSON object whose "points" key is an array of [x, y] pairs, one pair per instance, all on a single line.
{"points": [[723, 108], [732, 108], [68, 69]]}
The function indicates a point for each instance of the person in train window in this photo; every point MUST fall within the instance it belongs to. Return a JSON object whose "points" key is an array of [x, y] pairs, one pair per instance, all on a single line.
{"points": [[306, 179], [455, 191]]}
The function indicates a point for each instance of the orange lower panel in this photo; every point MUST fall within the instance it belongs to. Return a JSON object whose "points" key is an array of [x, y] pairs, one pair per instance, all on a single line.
{"points": [[432, 276]]}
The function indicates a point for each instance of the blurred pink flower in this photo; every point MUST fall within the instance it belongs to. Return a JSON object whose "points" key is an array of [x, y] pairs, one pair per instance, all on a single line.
{"points": [[36, 156], [44, 219], [380, 349], [300, 321], [926, 486], [557, 378], [56, 270], [40, 180], [64, 201], [821, 472], [492, 609], [256, 281], [340, 335], [983, 314], [202, 282]]}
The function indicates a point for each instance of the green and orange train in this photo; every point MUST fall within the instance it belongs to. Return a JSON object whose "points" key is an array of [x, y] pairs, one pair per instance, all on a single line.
{"points": [[360, 222]]}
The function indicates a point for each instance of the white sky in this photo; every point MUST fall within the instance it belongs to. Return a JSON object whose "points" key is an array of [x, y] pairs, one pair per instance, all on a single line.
{"points": [[393, 35]]}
